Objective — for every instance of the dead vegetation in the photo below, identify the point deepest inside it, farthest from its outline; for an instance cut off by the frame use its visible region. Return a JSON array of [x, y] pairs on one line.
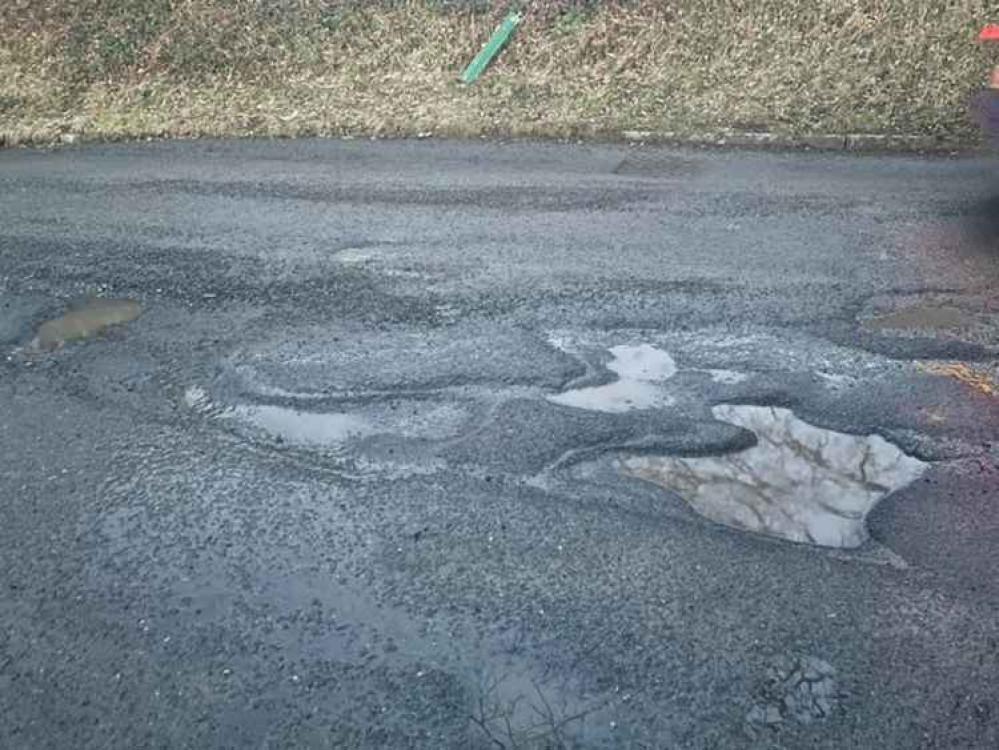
[[981, 379], [136, 68]]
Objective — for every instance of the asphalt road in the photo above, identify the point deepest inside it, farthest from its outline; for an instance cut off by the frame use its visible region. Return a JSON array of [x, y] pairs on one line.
[[358, 475]]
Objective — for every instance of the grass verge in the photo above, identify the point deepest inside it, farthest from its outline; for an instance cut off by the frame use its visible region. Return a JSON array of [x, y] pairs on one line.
[[138, 68]]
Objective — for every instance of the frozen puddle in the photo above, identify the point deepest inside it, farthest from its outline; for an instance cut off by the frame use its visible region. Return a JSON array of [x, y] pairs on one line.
[[640, 370], [801, 482]]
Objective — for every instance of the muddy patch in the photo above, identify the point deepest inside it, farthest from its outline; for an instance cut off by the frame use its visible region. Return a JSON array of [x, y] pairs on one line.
[[922, 318], [89, 320], [640, 370], [800, 482]]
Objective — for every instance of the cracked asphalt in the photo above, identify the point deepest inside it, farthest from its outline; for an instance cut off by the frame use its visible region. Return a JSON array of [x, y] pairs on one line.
[[327, 490]]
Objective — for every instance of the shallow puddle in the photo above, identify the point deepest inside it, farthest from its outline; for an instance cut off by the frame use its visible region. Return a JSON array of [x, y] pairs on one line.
[[640, 370], [920, 319], [308, 428], [801, 482], [90, 319]]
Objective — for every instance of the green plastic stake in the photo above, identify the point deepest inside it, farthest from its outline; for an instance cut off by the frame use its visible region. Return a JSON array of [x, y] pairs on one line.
[[489, 50]]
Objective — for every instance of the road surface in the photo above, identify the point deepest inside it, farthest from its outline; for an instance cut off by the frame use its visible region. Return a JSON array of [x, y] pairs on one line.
[[435, 445]]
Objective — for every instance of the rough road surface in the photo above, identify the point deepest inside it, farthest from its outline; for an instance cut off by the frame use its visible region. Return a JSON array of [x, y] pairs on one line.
[[424, 445]]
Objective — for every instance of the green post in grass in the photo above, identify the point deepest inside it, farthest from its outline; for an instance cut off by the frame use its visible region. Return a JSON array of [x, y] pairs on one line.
[[489, 50]]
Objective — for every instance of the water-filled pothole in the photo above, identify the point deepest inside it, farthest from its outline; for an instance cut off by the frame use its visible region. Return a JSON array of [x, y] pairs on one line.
[[90, 319], [921, 318], [800, 482], [424, 419], [301, 427], [639, 369]]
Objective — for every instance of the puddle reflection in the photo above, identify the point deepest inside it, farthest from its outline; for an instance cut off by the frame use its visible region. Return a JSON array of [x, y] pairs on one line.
[[300, 427], [333, 429], [801, 482]]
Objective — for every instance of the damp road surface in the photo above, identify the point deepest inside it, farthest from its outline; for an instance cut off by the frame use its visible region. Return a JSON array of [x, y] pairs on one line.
[[426, 445]]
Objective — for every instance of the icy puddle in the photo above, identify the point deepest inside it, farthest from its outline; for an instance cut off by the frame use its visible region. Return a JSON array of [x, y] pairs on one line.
[[90, 319], [801, 482], [640, 369]]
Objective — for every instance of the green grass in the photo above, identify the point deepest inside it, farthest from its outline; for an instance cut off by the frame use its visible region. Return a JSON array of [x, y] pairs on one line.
[[136, 68]]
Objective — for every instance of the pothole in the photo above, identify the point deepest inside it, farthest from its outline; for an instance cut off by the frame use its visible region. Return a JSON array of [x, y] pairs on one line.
[[88, 320], [640, 370], [316, 429], [301, 427], [800, 482]]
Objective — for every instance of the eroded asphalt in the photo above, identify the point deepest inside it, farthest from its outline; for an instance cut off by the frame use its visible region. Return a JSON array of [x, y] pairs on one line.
[[357, 476]]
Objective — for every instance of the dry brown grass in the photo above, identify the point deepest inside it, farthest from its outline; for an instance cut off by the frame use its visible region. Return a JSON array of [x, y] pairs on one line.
[[134, 68], [981, 379]]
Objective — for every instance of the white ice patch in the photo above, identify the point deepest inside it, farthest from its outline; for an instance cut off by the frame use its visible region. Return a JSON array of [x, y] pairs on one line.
[[302, 427], [835, 381], [644, 363], [727, 377], [196, 398], [640, 369]]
